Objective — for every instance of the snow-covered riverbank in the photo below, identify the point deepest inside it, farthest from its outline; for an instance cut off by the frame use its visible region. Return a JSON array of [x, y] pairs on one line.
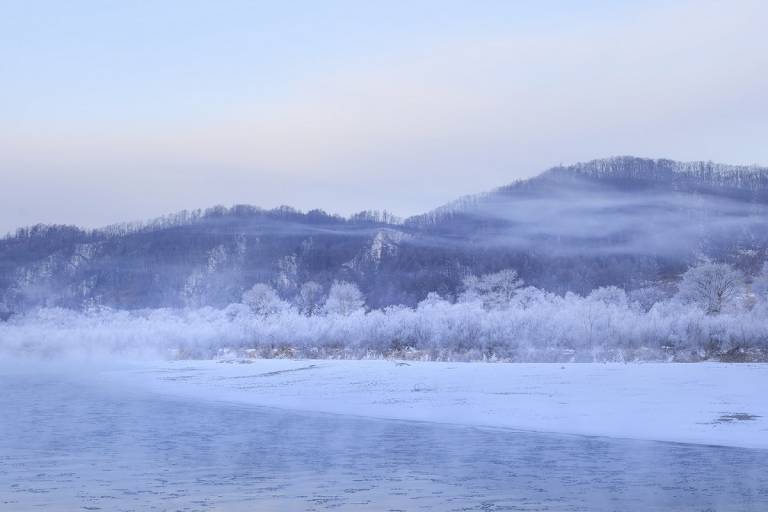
[[707, 403]]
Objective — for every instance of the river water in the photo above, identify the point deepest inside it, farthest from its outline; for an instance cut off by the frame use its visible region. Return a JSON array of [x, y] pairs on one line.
[[73, 444]]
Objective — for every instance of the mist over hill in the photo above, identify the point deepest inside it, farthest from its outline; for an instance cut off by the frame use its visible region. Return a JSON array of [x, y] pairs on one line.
[[621, 221]]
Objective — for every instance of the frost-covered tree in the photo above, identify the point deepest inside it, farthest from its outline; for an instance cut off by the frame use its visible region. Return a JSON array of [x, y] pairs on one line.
[[644, 298], [344, 299], [711, 286], [609, 295], [235, 312], [433, 299], [310, 298], [537, 326], [264, 300], [760, 284], [495, 290], [530, 297], [5, 312]]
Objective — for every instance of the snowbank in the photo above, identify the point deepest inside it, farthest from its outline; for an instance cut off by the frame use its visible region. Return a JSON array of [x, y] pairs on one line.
[[705, 403]]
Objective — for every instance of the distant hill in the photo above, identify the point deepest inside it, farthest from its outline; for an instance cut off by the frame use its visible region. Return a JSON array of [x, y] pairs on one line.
[[624, 221]]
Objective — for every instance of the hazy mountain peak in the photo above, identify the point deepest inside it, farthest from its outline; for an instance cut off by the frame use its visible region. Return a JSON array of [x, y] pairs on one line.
[[745, 182]]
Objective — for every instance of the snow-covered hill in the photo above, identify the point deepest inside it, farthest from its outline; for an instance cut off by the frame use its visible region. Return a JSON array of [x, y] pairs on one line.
[[620, 221]]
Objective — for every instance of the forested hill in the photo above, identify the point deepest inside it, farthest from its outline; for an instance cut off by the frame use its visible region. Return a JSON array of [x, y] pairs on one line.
[[627, 174], [622, 221]]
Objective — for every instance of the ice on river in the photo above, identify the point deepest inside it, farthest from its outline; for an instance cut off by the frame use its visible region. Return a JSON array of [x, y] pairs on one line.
[[70, 439], [705, 403]]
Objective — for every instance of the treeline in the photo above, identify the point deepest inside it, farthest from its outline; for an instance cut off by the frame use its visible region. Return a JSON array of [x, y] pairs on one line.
[[53, 232], [712, 315]]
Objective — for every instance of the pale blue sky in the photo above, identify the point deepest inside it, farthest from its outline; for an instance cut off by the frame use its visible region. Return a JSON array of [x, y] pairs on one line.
[[125, 110]]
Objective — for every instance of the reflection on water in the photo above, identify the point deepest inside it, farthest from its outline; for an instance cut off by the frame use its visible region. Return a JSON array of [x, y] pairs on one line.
[[72, 446]]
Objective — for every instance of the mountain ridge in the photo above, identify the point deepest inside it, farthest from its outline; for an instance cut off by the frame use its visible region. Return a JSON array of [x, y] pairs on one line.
[[648, 170], [622, 221], [748, 177]]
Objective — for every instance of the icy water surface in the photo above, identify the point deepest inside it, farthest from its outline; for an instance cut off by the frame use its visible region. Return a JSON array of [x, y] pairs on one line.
[[69, 445]]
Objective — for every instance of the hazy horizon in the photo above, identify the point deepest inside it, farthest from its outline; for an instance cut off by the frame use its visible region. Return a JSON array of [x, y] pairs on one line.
[[124, 112]]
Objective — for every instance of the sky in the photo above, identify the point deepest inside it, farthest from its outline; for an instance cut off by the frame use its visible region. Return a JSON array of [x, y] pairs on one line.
[[120, 111]]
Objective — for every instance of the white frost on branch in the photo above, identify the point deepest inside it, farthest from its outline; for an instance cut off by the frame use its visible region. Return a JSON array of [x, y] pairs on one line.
[[712, 286], [344, 299]]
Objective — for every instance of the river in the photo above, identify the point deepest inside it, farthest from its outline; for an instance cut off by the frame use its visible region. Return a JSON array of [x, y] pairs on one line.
[[69, 443]]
